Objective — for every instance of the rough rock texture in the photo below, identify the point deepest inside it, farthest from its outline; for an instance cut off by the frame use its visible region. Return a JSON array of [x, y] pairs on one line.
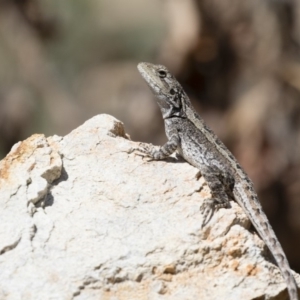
[[84, 217]]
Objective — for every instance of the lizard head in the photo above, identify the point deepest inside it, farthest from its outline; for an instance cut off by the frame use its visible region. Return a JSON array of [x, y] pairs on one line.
[[166, 88]]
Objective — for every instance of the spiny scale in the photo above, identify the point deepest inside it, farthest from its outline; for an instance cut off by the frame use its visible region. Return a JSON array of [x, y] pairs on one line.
[[188, 134]]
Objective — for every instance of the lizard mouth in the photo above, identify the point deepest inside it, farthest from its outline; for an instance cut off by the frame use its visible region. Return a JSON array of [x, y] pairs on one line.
[[149, 73]]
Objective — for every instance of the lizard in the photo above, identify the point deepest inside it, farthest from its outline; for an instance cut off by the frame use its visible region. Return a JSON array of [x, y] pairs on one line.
[[199, 145]]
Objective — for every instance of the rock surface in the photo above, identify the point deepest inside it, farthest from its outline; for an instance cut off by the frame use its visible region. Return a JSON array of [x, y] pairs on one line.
[[84, 217]]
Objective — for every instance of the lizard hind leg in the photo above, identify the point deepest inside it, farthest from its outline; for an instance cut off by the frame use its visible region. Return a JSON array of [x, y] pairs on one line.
[[220, 184], [211, 205]]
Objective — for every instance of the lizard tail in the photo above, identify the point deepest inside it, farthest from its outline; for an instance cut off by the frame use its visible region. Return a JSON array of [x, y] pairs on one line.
[[254, 211]]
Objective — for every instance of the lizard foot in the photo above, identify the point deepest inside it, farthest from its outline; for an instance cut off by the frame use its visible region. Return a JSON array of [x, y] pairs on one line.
[[211, 205], [144, 150]]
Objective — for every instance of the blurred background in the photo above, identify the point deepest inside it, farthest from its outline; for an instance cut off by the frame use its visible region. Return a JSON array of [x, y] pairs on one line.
[[62, 62]]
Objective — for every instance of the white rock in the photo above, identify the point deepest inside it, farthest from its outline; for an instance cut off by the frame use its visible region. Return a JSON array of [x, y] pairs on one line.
[[85, 217]]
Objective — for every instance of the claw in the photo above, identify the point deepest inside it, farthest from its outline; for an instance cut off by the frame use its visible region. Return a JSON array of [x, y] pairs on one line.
[[208, 211], [144, 151], [211, 205]]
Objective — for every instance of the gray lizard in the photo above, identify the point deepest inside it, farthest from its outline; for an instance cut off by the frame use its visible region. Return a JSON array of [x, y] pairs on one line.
[[197, 144]]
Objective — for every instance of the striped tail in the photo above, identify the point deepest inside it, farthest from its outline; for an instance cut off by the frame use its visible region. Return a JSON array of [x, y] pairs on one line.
[[254, 211]]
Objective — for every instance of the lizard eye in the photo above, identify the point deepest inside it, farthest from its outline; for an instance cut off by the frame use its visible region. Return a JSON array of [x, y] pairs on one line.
[[162, 73]]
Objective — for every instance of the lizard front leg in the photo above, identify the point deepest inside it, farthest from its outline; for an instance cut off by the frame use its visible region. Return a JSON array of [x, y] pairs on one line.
[[220, 184], [164, 151]]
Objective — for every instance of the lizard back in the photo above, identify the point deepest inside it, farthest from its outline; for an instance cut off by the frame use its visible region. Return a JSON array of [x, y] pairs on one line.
[[200, 146]]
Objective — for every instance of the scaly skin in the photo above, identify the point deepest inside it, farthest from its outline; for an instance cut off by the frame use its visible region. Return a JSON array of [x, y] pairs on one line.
[[196, 143]]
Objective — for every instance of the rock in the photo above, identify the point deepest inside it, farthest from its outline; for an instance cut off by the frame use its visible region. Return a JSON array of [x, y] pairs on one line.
[[83, 216]]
